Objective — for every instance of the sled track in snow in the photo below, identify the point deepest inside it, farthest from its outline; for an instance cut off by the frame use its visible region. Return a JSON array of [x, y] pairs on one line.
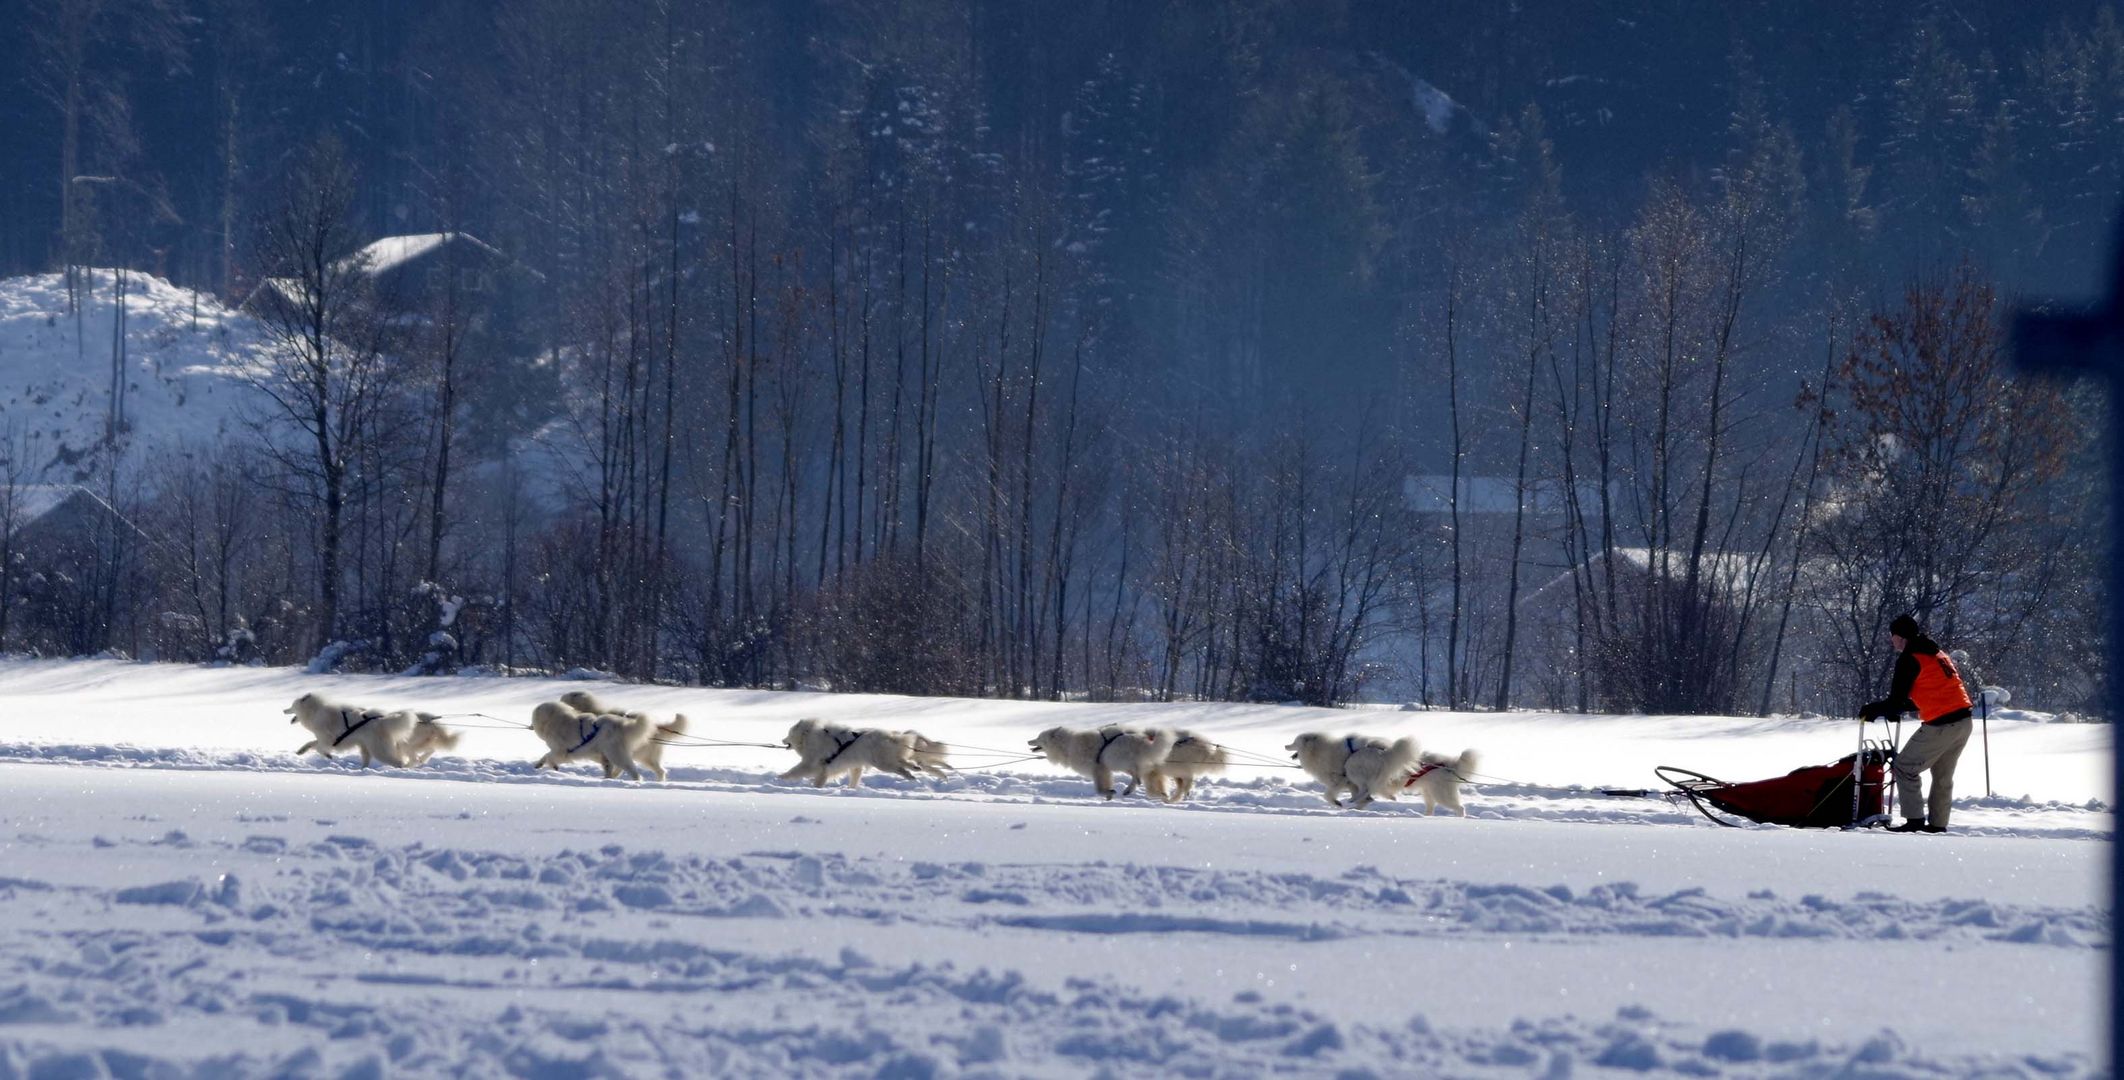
[[2049, 821]]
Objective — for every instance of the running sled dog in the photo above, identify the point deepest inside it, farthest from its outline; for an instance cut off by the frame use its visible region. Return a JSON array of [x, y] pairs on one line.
[[1192, 757], [619, 742], [1438, 778], [825, 751], [650, 754], [400, 737], [1367, 768], [1101, 753], [930, 756]]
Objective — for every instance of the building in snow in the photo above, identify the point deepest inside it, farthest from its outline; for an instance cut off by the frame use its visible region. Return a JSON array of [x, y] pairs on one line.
[[425, 282]]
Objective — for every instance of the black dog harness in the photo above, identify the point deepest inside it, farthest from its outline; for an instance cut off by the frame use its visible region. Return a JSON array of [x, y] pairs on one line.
[[352, 727], [1101, 755], [842, 747], [592, 734]]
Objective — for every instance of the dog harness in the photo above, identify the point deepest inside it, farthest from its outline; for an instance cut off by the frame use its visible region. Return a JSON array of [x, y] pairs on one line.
[[592, 734], [352, 727], [1421, 771], [1349, 743], [1101, 755], [842, 747]]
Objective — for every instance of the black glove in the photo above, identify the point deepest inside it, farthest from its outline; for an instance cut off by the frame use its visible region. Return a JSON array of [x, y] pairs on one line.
[[1873, 710]]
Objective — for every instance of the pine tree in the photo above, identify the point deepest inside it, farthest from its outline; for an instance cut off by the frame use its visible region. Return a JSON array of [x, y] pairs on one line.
[[1932, 136]]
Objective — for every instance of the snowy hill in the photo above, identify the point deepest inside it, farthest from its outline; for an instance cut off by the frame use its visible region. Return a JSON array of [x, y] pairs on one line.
[[183, 354], [182, 896]]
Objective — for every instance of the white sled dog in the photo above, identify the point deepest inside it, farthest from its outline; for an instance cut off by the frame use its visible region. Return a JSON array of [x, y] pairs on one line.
[[1108, 750], [650, 754], [1368, 768], [1192, 757], [1438, 778], [929, 755], [610, 739], [428, 737], [379, 734], [825, 751]]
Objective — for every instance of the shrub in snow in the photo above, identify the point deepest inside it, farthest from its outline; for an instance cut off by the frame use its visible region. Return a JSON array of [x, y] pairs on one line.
[[447, 604], [238, 646], [331, 656]]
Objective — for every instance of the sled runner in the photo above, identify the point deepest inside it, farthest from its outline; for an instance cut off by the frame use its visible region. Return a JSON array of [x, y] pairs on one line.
[[1812, 797]]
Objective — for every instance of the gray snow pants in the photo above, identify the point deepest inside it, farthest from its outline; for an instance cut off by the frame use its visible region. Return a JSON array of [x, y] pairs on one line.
[[1937, 747]]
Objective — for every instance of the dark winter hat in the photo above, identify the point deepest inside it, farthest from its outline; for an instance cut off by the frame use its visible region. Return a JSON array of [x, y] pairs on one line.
[[1906, 626]]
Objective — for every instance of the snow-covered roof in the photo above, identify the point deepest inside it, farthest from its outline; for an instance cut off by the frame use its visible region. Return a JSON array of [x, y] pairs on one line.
[[384, 255], [391, 252]]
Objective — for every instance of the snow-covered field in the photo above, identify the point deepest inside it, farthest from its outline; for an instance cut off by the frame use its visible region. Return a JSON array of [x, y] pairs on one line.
[[181, 896]]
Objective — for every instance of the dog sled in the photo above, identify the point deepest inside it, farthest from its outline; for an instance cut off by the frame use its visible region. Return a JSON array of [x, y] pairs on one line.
[[1849, 793]]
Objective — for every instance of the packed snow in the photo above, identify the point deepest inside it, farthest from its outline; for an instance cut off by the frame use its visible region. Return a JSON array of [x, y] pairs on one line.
[[183, 896]]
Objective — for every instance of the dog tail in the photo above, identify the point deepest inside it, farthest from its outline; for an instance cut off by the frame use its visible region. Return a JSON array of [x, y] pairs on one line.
[[929, 753], [1400, 761], [440, 737], [1466, 764], [677, 726]]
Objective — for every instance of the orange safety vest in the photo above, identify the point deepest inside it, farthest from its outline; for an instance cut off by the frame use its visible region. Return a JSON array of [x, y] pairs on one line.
[[1938, 689]]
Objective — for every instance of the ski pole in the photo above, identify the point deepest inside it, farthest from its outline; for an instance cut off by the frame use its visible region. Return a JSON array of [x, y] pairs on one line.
[[1858, 770], [1984, 719]]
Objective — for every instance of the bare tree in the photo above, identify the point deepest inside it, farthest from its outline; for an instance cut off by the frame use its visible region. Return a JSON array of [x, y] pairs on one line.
[[325, 370], [1942, 468]]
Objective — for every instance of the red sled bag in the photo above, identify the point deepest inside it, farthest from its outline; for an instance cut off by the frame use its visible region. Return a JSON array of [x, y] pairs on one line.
[[1813, 797]]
